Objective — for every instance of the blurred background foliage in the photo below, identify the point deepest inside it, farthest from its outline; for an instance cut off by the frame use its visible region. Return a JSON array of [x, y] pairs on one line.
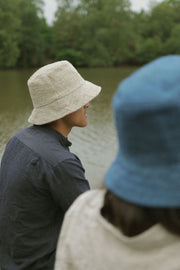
[[89, 33]]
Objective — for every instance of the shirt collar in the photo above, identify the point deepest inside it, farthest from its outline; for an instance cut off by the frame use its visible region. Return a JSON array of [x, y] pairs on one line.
[[63, 140]]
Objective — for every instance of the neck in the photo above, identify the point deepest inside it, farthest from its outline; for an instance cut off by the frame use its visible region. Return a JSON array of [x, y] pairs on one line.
[[61, 127]]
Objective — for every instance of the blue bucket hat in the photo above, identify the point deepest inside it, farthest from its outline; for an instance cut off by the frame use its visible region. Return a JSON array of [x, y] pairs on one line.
[[146, 170]]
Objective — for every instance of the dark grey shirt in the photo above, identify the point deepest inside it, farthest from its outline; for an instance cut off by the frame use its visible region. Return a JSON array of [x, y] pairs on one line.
[[39, 180]]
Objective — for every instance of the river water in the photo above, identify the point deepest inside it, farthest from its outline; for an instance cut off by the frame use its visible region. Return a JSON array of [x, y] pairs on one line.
[[96, 144]]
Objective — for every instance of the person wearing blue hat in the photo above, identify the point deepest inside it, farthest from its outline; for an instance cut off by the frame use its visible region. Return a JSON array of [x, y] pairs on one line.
[[135, 222]]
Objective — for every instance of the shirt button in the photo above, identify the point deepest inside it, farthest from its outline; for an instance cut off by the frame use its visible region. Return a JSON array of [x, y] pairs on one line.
[[34, 161]]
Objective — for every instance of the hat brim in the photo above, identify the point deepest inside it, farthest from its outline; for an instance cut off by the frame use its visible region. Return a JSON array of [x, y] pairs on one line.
[[151, 187], [66, 105]]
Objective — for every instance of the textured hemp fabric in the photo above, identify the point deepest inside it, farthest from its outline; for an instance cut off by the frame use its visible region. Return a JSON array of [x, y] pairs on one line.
[[39, 180], [57, 90], [89, 242]]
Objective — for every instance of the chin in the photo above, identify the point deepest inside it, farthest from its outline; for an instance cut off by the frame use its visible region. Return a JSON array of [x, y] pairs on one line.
[[83, 124]]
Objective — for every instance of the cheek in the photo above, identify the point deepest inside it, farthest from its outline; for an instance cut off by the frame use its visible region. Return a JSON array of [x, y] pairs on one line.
[[78, 118], [81, 114], [82, 118]]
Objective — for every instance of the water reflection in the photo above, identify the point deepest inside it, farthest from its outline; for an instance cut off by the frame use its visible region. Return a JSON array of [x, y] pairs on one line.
[[95, 145]]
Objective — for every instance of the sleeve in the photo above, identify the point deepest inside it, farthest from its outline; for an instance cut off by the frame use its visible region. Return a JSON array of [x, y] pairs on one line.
[[68, 182]]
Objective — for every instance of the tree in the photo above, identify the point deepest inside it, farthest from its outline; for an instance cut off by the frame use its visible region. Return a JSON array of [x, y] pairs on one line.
[[150, 49], [9, 33], [87, 32], [161, 21], [31, 44], [96, 30], [172, 45]]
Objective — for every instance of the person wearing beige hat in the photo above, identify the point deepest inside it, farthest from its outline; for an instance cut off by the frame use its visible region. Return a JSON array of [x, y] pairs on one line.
[[39, 176]]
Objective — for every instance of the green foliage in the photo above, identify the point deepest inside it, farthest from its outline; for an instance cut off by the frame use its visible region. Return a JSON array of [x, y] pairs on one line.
[[87, 33], [108, 33], [73, 56], [149, 50], [25, 37], [9, 33], [157, 32], [97, 28], [31, 44], [161, 21], [172, 45]]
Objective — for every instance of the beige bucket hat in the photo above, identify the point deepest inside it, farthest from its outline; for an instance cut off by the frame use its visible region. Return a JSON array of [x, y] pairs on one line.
[[57, 90]]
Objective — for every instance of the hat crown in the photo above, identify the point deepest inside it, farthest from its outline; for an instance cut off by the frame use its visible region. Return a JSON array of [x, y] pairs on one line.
[[57, 90], [146, 170], [53, 81], [147, 113]]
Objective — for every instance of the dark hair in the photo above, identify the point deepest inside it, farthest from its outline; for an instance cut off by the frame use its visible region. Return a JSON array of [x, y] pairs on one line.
[[134, 219]]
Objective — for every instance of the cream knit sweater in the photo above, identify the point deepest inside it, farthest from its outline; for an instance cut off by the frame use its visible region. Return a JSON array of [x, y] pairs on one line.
[[89, 242]]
